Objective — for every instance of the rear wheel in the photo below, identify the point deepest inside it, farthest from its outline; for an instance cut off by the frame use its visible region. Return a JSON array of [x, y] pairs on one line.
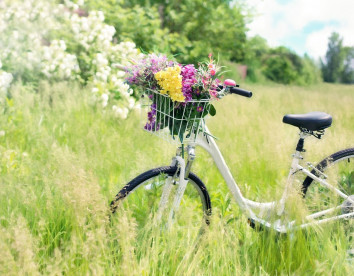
[[338, 171], [140, 199]]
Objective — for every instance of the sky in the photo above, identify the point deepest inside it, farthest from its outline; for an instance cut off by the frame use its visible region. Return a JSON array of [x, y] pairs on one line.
[[302, 25]]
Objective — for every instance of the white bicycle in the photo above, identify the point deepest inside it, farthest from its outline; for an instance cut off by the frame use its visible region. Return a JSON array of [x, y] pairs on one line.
[[174, 195]]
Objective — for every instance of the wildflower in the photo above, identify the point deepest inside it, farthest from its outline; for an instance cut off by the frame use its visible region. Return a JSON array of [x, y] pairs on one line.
[[188, 73], [170, 81], [213, 93], [200, 108], [104, 98], [5, 81], [120, 112], [131, 102]]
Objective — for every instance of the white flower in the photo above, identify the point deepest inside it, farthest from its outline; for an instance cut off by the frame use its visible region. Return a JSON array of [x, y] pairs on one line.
[[131, 103], [100, 15], [5, 81], [104, 98], [122, 112], [137, 106], [62, 45], [2, 133]]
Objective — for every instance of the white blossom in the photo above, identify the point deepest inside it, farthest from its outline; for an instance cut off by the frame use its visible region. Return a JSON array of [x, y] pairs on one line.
[[121, 112], [24, 28], [104, 98], [5, 81], [57, 63]]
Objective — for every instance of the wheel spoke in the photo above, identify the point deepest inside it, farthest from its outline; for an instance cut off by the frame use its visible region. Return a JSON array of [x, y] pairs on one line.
[[340, 174]]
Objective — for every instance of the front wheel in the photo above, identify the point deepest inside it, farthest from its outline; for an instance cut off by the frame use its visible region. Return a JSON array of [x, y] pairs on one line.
[[141, 199], [338, 171]]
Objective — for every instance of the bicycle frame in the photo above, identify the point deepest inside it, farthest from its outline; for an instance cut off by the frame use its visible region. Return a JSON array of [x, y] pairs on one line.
[[208, 143]]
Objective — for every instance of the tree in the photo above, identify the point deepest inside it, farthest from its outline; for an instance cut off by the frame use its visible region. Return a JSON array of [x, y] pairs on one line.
[[347, 75], [332, 66], [284, 66], [189, 29]]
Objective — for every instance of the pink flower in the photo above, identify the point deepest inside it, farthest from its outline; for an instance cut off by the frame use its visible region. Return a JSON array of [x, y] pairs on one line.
[[200, 108], [212, 72], [213, 93]]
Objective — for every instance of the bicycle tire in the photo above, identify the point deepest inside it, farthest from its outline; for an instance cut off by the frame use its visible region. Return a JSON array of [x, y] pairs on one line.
[[169, 171], [339, 170], [324, 164]]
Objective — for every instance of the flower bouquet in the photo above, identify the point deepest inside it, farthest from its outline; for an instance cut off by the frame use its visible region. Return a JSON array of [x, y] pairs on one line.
[[179, 95]]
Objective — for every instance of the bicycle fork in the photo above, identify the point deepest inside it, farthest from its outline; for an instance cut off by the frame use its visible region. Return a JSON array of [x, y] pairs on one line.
[[183, 170]]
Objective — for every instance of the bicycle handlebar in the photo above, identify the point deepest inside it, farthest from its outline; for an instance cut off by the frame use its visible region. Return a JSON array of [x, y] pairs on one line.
[[241, 92], [237, 90]]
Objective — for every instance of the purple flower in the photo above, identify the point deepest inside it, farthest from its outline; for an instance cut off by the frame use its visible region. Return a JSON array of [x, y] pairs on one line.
[[188, 80], [200, 108], [142, 72], [151, 124]]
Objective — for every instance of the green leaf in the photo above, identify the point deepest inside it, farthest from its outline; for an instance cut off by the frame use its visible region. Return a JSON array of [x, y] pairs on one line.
[[212, 110]]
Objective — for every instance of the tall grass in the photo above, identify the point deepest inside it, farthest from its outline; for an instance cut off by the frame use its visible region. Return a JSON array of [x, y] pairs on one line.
[[63, 160]]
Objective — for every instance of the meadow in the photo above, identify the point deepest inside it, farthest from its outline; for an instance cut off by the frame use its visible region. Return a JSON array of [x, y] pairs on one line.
[[63, 159]]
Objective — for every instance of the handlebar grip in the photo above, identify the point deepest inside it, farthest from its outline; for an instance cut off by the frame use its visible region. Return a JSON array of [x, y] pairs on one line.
[[241, 92]]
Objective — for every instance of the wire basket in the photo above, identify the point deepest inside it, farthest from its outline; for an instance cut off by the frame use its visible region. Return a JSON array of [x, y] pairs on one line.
[[175, 122]]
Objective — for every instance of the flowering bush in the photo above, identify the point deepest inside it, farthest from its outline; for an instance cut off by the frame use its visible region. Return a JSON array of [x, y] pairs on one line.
[[85, 51], [24, 27], [57, 64], [180, 94], [97, 53]]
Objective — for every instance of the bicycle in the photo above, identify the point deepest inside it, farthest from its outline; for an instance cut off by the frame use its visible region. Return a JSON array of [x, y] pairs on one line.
[[328, 188]]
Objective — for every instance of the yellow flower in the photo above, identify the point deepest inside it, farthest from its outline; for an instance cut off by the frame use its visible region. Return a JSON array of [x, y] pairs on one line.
[[170, 82]]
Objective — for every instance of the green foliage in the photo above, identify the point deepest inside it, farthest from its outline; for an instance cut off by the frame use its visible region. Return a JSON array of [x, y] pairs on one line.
[[338, 65], [333, 63], [278, 64], [284, 66], [348, 67], [256, 47], [311, 73], [279, 68], [133, 22], [210, 26], [188, 29]]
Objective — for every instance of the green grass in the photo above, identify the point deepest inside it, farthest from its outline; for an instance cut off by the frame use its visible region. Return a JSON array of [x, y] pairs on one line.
[[63, 160]]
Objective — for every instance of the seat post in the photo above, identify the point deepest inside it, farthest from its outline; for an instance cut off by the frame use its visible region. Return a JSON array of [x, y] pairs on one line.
[[300, 144]]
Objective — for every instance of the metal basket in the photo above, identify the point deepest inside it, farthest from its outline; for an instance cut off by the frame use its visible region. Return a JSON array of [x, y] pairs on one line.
[[173, 121]]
